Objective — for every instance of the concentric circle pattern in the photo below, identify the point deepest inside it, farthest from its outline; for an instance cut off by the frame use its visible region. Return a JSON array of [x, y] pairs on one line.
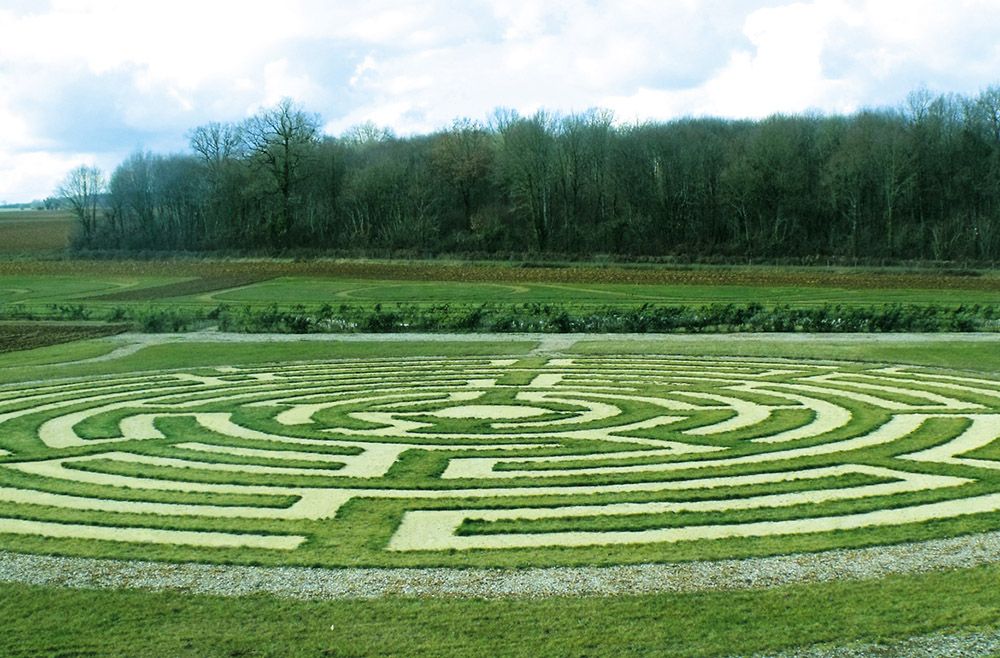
[[439, 458]]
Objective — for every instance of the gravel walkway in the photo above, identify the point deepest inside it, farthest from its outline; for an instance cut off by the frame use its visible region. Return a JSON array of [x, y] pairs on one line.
[[938, 645], [130, 343], [556, 339], [357, 583]]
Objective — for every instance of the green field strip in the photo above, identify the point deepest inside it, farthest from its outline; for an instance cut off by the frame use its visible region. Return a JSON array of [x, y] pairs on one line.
[[817, 500], [54, 289], [17, 480], [343, 291], [26, 361], [147, 535], [950, 354], [417, 525], [158, 359]]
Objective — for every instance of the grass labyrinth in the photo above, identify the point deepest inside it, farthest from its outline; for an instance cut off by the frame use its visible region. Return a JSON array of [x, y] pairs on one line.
[[479, 451], [507, 460]]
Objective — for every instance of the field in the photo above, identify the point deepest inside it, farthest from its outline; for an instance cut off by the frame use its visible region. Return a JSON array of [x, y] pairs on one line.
[[15, 337], [432, 282], [35, 231], [380, 297], [649, 489], [698, 495]]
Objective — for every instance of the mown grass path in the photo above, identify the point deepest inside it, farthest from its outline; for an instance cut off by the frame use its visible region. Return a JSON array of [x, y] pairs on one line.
[[950, 588], [511, 461]]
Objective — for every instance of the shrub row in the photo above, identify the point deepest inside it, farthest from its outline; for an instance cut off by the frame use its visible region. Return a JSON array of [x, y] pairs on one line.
[[541, 318]]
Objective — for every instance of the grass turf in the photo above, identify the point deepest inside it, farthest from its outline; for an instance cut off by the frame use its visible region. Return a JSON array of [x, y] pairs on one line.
[[47, 621], [347, 291], [43, 621]]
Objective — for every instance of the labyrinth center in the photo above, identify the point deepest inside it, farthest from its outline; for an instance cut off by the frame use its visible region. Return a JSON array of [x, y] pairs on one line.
[[436, 457]]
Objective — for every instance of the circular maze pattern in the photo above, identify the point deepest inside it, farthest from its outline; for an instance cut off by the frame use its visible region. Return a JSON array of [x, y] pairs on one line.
[[433, 460]]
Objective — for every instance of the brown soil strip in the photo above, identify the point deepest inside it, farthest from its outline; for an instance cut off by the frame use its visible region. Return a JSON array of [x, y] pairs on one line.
[[18, 336], [181, 288], [258, 270]]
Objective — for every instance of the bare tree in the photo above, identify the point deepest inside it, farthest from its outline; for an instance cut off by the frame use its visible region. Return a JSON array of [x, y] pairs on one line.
[[280, 140], [986, 109], [217, 143], [526, 161], [365, 134], [464, 157], [83, 189]]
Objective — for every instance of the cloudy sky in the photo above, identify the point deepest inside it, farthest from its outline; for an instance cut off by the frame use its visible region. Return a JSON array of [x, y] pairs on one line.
[[89, 81]]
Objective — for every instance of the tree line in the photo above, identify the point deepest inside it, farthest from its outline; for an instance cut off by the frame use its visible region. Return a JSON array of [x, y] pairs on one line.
[[921, 181]]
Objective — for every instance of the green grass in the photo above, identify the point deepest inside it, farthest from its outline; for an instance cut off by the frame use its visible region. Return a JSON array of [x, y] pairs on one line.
[[14, 367], [43, 621], [386, 296], [347, 291], [363, 526], [55, 354], [67, 288], [206, 283], [55, 621], [959, 354]]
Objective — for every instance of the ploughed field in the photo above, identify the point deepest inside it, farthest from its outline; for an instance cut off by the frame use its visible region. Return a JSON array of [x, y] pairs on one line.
[[35, 232]]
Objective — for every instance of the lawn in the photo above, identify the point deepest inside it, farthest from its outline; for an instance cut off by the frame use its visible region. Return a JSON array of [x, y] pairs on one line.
[[346, 291], [609, 432], [43, 621]]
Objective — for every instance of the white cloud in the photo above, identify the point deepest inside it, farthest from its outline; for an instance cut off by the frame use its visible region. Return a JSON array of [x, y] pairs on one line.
[[391, 25], [784, 72], [14, 132], [523, 20], [39, 171], [780, 71], [836, 56], [102, 77], [280, 81], [366, 65], [565, 56]]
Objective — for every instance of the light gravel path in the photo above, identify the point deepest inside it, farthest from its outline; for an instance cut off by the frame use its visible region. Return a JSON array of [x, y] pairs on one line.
[[369, 583], [556, 340], [130, 343], [937, 645]]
